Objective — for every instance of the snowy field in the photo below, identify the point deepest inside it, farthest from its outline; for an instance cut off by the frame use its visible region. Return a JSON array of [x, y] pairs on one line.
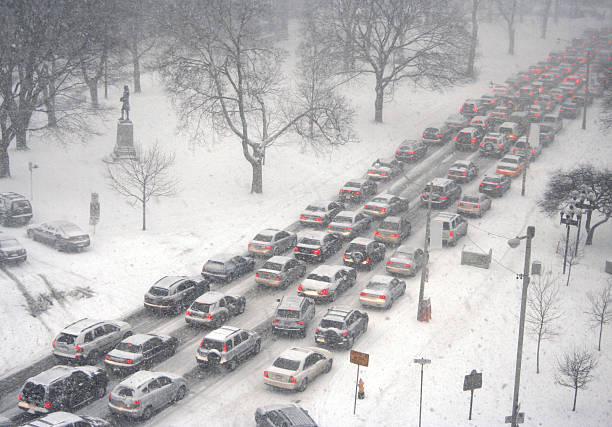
[[475, 312]]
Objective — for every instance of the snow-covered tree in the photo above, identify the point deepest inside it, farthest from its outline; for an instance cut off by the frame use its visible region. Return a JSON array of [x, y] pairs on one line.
[[600, 311], [574, 370]]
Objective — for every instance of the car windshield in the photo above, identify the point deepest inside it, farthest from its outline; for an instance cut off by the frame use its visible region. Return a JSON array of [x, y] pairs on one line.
[[319, 277], [71, 228], [431, 131], [272, 266], [214, 267], [377, 285], [315, 208], [352, 184], [402, 254], [356, 247], [380, 199], [437, 189], [288, 314], [288, 364], [459, 165], [34, 391], [204, 307], [329, 323], [263, 238], [343, 219], [129, 347], [8, 243], [20, 204], [125, 392], [509, 160], [66, 338], [209, 344], [470, 199], [387, 225], [158, 292], [310, 241]]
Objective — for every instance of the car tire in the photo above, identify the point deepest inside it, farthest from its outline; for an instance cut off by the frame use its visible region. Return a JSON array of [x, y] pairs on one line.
[[231, 365], [147, 413], [92, 358], [390, 303], [276, 251], [100, 392], [221, 319], [180, 393], [350, 342], [303, 386], [403, 290], [328, 366]]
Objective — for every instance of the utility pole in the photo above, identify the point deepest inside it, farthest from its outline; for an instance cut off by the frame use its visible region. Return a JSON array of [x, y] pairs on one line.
[[421, 362], [425, 269], [586, 91]]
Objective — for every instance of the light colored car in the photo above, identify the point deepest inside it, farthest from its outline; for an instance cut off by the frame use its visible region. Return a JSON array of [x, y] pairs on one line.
[[280, 271], [462, 171], [86, 340], [66, 419], [382, 291], [272, 242], [227, 346], [326, 281], [321, 212], [140, 351], [283, 415], [511, 165], [62, 235], [405, 261], [383, 205], [292, 314], [214, 308], [475, 204], [393, 230], [145, 392], [348, 224], [384, 169], [297, 367]]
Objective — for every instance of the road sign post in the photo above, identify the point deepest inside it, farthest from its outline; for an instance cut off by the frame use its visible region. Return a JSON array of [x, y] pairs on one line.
[[359, 359], [472, 382], [421, 362]]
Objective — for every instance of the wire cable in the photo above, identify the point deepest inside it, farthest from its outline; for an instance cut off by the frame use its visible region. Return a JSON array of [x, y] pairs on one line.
[[489, 232], [492, 257]]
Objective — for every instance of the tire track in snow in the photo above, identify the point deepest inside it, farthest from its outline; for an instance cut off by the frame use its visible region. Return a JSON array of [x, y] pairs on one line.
[[31, 302]]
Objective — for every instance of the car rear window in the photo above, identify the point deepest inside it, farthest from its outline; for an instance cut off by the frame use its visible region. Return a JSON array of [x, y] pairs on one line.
[[66, 338], [356, 247], [20, 204], [288, 314], [201, 306], [209, 344], [408, 255], [352, 184], [509, 160], [319, 277], [158, 292], [328, 323], [309, 241], [437, 189], [272, 266], [389, 226], [343, 219], [471, 199], [380, 200], [263, 238], [288, 364], [8, 243], [214, 267], [315, 208], [33, 391], [377, 285], [125, 392], [128, 347]]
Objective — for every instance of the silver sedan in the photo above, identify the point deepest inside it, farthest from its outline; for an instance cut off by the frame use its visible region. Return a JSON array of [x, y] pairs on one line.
[[296, 367], [382, 291]]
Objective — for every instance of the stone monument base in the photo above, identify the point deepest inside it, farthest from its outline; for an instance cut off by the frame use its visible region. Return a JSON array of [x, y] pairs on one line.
[[124, 147]]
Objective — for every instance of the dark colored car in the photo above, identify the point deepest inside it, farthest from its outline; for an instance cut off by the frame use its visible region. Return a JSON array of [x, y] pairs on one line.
[[140, 351], [495, 185], [442, 192], [214, 309], [283, 415], [384, 205], [385, 169], [473, 107], [174, 293], [393, 230], [547, 135], [494, 144], [498, 116], [227, 267], [279, 271], [62, 388], [462, 171], [317, 246], [363, 252], [62, 235], [469, 138], [456, 122], [61, 419], [14, 209], [524, 147], [341, 326], [482, 122], [357, 190], [411, 149], [11, 250], [321, 212], [438, 134], [568, 110], [535, 113]]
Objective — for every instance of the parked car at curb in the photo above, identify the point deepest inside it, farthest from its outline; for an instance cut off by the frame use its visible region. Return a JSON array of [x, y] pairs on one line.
[[317, 246], [357, 190], [139, 351], [296, 367], [511, 165], [569, 110], [474, 204], [406, 261], [214, 309], [86, 340], [364, 253], [283, 415], [64, 419], [145, 392], [321, 213], [227, 267], [381, 291], [386, 204], [410, 149], [453, 226], [62, 235], [174, 293], [280, 271], [442, 192], [393, 230], [462, 171], [14, 209], [62, 388], [385, 168], [341, 327], [293, 314], [348, 224], [11, 250], [227, 347], [326, 281], [270, 242]]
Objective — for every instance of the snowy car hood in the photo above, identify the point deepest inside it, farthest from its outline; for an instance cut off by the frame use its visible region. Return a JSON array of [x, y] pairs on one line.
[[316, 285], [124, 354]]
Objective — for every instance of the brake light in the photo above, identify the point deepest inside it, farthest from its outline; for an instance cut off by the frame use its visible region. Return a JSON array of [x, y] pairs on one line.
[[47, 405], [473, 140], [367, 260], [345, 333], [389, 262], [278, 278], [107, 357], [341, 190], [410, 152], [500, 146], [422, 194], [249, 245], [265, 374], [19, 397], [533, 151], [464, 173], [397, 151], [348, 229], [455, 138], [275, 320], [475, 109], [384, 173], [329, 226], [319, 219], [300, 287], [296, 249], [424, 134], [439, 135], [137, 402], [256, 274], [396, 235], [450, 234], [459, 204], [362, 294], [209, 316], [302, 217], [513, 148], [357, 192], [129, 361], [201, 343], [481, 184], [481, 144], [224, 348], [442, 197], [382, 297], [377, 233], [383, 210], [292, 379], [316, 251], [324, 291], [461, 109], [79, 349], [268, 246]]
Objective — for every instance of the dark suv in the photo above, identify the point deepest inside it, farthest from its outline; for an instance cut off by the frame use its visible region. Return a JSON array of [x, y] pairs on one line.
[[227, 346], [283, 415], [292, 314], [357, 190], [11, 250], [62, 388], [494, 144], [363, 252], [341, 326], [442, 192], [14, 209], [437, 134], [174, 293], [469, 138]]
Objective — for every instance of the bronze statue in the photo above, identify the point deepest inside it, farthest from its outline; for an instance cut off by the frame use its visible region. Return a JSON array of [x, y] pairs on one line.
[[126, 103]]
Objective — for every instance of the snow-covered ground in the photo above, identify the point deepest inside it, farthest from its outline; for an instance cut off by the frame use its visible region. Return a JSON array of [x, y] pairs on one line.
[[475, 312]]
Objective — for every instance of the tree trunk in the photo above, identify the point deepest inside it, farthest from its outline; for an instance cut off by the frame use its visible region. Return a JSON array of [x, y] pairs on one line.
[[569, 271], [575, 395], [257, 181], [545, 19], [144, 215], [600, 331], [589, 239], [511, 33], [21, 133], [136, 62], [378, 103], [93, 92], [5, 165], [538, 351], [49, 94], [587, 225], [474, 40]]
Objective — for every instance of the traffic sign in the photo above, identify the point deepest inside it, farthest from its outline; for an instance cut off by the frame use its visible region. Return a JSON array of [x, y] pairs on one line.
[[472, 381], [360, 358], [520, 419]]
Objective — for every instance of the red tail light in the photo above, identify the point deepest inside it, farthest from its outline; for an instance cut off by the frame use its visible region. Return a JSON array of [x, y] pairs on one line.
[[265, 374], [407, 265], [424, 134], [278, 278], [345, 333], [341, 190], [209, 316], [450, 234], [256, 274], [201, 343], [410, 152], [442, 197], [389, 262], [532, 151], [475, 109], [461, 109], [319, 219], [300, 287], [348, 229], [498, 186], [383, 173], [481, 184], [79, 349], [477, 206], [513, 148], [367, 260], [464, 173], [397, 151], [53, 343], [357, 192], [481, 144], [275, 320], [292, 379], [500, 146], [224, 348], [324, 292], [19, 397], [129, 361], [455, 138], [302, 217], [316, 251], [268, 246], [459, 203], [300, 322], [383, 210], [439, 135], [422, 194], [377, 233], [382, 297], [47, 405], [473, 140], [137, 402], [107, 357], [188, 313], [329, 226], [296, 249], [362, 294]]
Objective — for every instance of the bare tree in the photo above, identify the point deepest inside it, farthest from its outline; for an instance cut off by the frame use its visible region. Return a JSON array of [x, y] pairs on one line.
[[543, 310], [394, 40], [507, 9], [474, 39], [600, 312], [574, 370], [221, 65], [545, 16], [148, 175]]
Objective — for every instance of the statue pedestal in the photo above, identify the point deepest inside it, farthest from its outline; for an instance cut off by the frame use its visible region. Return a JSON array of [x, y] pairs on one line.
[[124, 147]]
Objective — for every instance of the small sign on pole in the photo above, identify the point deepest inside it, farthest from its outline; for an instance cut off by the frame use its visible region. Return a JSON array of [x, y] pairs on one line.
[[359, 359], [94, 211], [472, 382], [520, 419]]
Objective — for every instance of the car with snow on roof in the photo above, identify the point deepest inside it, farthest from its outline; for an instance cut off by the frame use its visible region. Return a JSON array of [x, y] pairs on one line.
[[270, 242], [475, 205], [317, 246], [357, 190], [326, 281], [11, 250], [139, 351], [279, 271], [292, 314], [227, 346], [296, 367], [62, 235], [384, 169], [511, 165], [225, 267], [214, 309], [462, 171], [14, 209], [494, 144], [405, 261], [174, 293], [385, 204], [283, 415], [364, 253], [341, 326], [381, 291], [441, 191], [321, 212], [393, 230], [64, 419], [348, 224]]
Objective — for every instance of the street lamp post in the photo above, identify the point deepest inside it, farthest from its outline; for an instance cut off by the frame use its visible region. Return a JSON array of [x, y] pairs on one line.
[[513, 243], [31, 167], [585, 199], [425, 269], [569, 216], [421, 362]]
